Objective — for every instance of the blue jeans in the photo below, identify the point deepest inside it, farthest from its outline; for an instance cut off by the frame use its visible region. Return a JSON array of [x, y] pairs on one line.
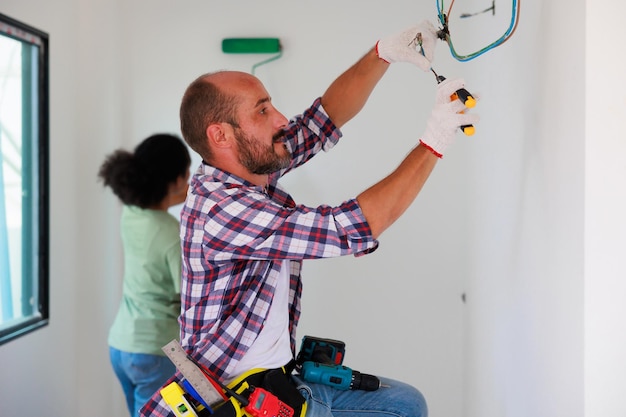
[[398, 399], [141, 375]]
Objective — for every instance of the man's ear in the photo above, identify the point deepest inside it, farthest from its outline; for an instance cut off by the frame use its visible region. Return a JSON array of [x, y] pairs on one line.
[[219, 134]]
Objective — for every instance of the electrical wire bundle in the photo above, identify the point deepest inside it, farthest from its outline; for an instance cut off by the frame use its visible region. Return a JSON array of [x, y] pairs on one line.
[[444, 32]]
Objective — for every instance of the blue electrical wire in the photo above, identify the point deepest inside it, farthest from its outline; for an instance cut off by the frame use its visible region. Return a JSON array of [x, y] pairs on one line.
[[445, 31]]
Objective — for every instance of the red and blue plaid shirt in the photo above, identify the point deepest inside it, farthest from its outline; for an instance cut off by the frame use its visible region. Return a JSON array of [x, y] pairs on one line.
[[235, 237]]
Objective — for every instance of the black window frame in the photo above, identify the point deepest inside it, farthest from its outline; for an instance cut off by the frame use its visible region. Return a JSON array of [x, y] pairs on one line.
[[35, 258]]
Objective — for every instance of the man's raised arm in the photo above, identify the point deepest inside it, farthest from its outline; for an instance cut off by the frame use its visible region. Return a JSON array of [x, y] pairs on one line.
[[347, 95]]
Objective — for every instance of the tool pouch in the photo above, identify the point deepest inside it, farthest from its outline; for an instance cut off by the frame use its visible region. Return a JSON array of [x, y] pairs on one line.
[[277, 381]]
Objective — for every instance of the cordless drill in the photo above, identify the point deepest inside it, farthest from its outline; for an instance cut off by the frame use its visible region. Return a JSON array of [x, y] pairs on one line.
[[320, 361]]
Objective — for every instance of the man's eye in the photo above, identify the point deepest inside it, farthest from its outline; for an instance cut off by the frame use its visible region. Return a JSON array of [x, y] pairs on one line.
[[263, 110]]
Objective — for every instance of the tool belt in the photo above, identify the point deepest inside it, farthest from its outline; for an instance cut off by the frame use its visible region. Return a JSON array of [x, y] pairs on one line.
[[277, 381]]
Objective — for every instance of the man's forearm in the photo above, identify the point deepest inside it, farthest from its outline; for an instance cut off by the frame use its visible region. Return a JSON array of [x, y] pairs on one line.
[[347, 95], [384, 202]]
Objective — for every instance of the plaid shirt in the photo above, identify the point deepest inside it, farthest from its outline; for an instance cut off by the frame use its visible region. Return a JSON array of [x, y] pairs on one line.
[[235, 236]]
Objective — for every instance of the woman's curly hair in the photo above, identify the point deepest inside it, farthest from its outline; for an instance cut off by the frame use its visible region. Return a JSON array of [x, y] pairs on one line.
[[141, 178]]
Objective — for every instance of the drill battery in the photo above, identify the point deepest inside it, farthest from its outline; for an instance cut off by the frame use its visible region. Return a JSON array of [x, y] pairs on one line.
[[326, 351]]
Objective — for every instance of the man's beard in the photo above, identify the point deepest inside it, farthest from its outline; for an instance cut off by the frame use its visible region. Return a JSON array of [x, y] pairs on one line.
[[258, 158]]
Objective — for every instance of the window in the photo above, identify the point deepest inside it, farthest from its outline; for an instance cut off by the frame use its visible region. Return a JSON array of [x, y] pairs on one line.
[[23, 179]]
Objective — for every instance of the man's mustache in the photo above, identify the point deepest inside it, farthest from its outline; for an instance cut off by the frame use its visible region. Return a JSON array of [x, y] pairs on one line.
[[279, 136]]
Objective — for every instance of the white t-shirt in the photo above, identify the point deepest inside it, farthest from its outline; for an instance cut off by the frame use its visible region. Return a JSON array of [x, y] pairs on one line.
[[272, 348]]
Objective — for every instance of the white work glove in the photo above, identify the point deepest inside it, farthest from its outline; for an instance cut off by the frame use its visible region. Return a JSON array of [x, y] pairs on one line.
[[404, 46], [446, 118]]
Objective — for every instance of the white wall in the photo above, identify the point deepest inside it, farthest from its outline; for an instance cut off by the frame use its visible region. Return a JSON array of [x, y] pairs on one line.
[[525, 325], [605, 205], [502, 220], [63, 370], [38, 370]]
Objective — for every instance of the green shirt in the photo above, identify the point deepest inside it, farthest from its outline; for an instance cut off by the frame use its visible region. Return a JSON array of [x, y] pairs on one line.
[[147, 318]]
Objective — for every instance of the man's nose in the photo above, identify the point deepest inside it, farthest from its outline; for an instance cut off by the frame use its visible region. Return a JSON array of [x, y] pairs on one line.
[[281, 121]]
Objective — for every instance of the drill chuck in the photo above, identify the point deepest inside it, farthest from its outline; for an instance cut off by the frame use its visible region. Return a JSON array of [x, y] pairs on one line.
[[364, 382]]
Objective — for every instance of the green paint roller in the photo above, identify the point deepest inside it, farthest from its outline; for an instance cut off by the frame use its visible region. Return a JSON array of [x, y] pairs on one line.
[[253, 46]]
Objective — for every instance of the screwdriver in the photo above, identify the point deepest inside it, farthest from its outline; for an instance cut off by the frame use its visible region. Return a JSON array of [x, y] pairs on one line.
[[463, 95]]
